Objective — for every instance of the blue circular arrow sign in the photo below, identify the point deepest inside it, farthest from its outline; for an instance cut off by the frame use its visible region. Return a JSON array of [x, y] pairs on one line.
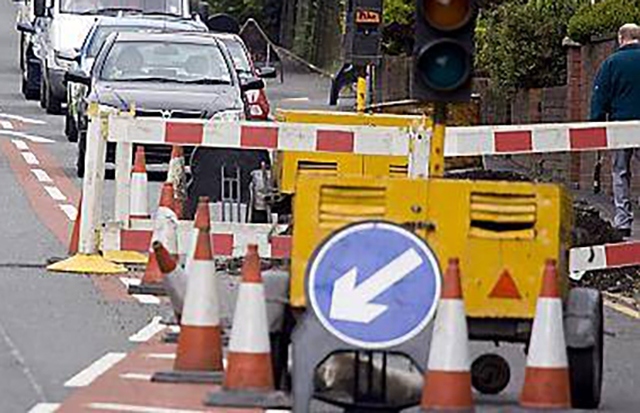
[[374, 285]]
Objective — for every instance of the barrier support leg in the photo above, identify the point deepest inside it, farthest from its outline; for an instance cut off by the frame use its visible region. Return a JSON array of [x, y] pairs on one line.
[[124, 155], [88, 260]]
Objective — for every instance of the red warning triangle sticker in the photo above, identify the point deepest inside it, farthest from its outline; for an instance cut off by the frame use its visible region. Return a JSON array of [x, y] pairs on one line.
[[505, 287]]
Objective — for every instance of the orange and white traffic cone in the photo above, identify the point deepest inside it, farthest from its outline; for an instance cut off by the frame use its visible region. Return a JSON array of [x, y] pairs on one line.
[[178, 177], [165, 230], [447, 384], [174, 278], [139, 205], [74, 242], [546, 380], [248, 379], [249, 359], [200, 344]]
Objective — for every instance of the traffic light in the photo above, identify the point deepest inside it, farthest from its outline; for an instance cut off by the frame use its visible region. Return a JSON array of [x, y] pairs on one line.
[[444, 50]]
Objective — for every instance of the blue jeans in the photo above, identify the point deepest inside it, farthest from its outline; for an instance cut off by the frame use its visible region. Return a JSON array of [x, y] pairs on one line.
[[621, 173]]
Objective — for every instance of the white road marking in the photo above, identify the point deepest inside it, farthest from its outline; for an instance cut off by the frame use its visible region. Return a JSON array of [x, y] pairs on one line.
[[127, 281], [55, 193], [95, 370], [142, 298], [30, 158], [117, 407], [23, 119], [146, 298], [42, 175], [148, 331], [70, 210], [44, 408], [161, 356], [21, 145], [32, 138], [131, 408], [136, 376], [5, 124], [299, 99]]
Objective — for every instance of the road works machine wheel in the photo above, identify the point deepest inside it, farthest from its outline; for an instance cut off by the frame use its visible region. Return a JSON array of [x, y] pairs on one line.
[[584, 331]]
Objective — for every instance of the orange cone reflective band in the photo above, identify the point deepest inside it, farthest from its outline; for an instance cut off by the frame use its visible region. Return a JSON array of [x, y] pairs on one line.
[[174, 278], [200, 342], [249, 358], [165, 231], [139, 205], [546, 382], [447, 383], [505, 287]]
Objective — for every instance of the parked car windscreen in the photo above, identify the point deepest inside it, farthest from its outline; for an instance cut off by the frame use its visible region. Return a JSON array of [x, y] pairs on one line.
[[166, 62], [239, 56], [173, 7], [100, 36]]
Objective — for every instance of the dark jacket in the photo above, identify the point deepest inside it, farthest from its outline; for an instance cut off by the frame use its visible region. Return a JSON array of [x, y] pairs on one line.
[[616, 92]]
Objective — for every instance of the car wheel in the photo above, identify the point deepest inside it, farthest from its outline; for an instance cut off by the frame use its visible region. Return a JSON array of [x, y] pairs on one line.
[[82, 147], [43, 91], [53, 104], [70, 128], [30, 81], [28, 90]]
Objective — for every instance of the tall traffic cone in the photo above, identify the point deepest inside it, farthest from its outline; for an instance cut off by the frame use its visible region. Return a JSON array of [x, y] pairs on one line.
[[447, 384], [546, 380], [178, 177], [164, 230], [74, 242], [248, 380], [139, 205], [200, 343]]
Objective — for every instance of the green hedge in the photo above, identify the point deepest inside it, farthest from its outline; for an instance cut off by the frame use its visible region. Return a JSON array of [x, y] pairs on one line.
[[602, 19]]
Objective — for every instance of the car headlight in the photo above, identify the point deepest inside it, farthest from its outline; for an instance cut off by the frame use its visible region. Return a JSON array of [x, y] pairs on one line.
[[229, 116]]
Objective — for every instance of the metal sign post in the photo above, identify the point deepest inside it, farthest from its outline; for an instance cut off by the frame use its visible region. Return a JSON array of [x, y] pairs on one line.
[[371, 286]]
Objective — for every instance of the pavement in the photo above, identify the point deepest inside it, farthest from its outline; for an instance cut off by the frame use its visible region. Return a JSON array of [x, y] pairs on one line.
[[81, 343]]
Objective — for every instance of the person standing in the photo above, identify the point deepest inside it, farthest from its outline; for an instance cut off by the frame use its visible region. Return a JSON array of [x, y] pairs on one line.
[[616, 97]]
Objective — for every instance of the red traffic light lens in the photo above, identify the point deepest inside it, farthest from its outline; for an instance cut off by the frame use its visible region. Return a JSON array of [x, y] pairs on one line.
[[447, 15]]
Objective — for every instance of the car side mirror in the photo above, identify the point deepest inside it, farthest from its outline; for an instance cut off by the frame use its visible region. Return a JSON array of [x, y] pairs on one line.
[[267, 72], [78, 76], [252, 83], [68, 55], [40, 8], [25, 27]]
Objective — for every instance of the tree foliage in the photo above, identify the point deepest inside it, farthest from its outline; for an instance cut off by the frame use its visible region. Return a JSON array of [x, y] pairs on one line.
[[602, 19], [519, 44]]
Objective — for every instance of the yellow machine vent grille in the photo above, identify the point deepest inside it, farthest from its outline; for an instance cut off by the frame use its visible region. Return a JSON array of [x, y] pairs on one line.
[[341, 205], [398, 171], [503, 216], [317, 168]]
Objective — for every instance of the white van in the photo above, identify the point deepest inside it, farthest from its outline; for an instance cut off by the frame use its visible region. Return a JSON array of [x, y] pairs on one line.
[[58, 31]]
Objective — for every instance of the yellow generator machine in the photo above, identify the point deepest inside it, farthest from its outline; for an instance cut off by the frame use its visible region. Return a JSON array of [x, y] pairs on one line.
[[502, 232]]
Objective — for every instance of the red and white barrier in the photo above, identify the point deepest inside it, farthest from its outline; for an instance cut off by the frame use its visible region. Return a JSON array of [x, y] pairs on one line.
[[601, 257], [229, 239], [370, 140], [367, 140]]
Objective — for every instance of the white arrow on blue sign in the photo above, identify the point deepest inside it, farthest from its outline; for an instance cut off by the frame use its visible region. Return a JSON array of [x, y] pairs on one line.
[[374, 285]]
